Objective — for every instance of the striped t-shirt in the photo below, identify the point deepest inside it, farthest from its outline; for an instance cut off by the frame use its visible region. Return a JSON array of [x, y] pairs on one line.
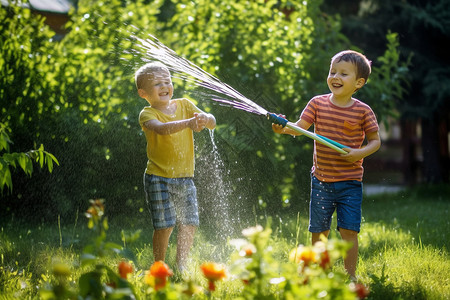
[[345, 125]]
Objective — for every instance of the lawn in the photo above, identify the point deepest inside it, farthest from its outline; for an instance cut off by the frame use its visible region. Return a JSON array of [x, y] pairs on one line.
[[403, 249]]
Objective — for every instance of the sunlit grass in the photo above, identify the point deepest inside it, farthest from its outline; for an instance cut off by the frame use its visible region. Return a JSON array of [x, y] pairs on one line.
[[403, 250], [411, 270], [404, 245]]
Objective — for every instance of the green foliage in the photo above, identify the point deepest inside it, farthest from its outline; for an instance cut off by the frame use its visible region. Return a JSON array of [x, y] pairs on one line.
[[26, 77], [92, 77], [80, 101], [77, 96], [308, 274], [24, 160], [255, 39], [430, 22], [26, 84], [367, 23], [92, 282], [388, 84], [268, 51]]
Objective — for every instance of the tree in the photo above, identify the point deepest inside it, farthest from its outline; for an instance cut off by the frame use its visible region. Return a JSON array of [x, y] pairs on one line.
[[81, 101], [23, 61], [73, 97], [266, 50], [423, 30]]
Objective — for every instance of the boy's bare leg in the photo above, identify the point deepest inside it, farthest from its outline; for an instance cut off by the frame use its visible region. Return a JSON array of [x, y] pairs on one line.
[[316, 236], [161, 242], [184, 243], [352, 254]]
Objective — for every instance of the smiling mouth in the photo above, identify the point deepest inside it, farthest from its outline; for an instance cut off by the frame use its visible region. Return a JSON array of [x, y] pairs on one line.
[[337, 85], [164, 94]]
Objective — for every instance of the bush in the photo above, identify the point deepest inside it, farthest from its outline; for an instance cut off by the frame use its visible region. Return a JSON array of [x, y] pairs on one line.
[[254, 272]]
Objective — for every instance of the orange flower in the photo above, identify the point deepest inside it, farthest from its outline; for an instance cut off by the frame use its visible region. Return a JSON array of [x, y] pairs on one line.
[[325, 261], [213, 272], [302, 253], [91, 212], [99, 204], [247, 250], [157, 277], [124, 269], [362, 292], [323, 256], [160, 269], [96, 209]]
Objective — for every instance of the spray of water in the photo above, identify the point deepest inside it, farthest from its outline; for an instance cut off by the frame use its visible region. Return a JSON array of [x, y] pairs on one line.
[[186, 70], [216, 206]]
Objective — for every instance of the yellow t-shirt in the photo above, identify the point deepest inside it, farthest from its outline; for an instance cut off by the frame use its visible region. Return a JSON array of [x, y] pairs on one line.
[[171, 155]]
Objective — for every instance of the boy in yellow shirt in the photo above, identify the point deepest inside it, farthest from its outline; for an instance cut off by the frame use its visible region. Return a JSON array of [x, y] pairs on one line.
[[168, 125]]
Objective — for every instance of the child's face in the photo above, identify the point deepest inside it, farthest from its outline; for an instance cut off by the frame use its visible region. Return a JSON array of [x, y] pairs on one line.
[[342, 79], [158, 88]]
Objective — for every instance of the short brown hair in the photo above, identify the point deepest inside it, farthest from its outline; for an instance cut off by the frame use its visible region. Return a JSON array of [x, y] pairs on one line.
[[146, 70], [363, 65]]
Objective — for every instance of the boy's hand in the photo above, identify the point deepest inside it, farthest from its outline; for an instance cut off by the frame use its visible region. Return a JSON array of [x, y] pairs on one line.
[[278, 128], [352, 155], [373, 144], [199, 122]]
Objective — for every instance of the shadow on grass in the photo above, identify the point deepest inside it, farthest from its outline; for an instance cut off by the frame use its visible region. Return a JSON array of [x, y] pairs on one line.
[[421, 212], [403, 243], [381, 289]]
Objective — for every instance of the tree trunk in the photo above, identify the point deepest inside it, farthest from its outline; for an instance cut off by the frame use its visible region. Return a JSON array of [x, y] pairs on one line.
[[435, 160], [409, 142]]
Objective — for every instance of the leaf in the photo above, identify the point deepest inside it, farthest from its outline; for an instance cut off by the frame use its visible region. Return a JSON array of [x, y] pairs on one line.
[[41, 156], [88, 259], [29, 166], [89, 284], [5, 178], [128, 254], [25, 163], [130, 237], [113, 246], [4, 139], [49, 163]]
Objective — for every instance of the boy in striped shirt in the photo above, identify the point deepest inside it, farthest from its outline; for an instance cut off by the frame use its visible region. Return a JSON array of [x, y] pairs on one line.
[[336, 179]]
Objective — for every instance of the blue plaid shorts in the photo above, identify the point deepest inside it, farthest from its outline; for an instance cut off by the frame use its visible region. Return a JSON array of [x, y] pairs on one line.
[[171, 201]]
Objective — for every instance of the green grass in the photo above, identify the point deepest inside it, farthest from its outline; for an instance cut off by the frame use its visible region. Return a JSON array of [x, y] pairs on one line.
[[404, 244], [403, 247]]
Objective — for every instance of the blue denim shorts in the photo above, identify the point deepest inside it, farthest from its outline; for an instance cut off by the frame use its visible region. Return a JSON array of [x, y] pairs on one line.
[[171, 201], [345, 197]]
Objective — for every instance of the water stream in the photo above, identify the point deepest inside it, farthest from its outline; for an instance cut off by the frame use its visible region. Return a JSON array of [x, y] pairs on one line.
[[212, 176], [184, 69]]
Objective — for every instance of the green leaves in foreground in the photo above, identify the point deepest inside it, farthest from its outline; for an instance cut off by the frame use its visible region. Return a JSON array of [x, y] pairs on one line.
[[254, 271]]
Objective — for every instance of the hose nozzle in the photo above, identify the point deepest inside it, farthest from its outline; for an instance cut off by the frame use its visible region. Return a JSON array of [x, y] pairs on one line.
[[277, 119]]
